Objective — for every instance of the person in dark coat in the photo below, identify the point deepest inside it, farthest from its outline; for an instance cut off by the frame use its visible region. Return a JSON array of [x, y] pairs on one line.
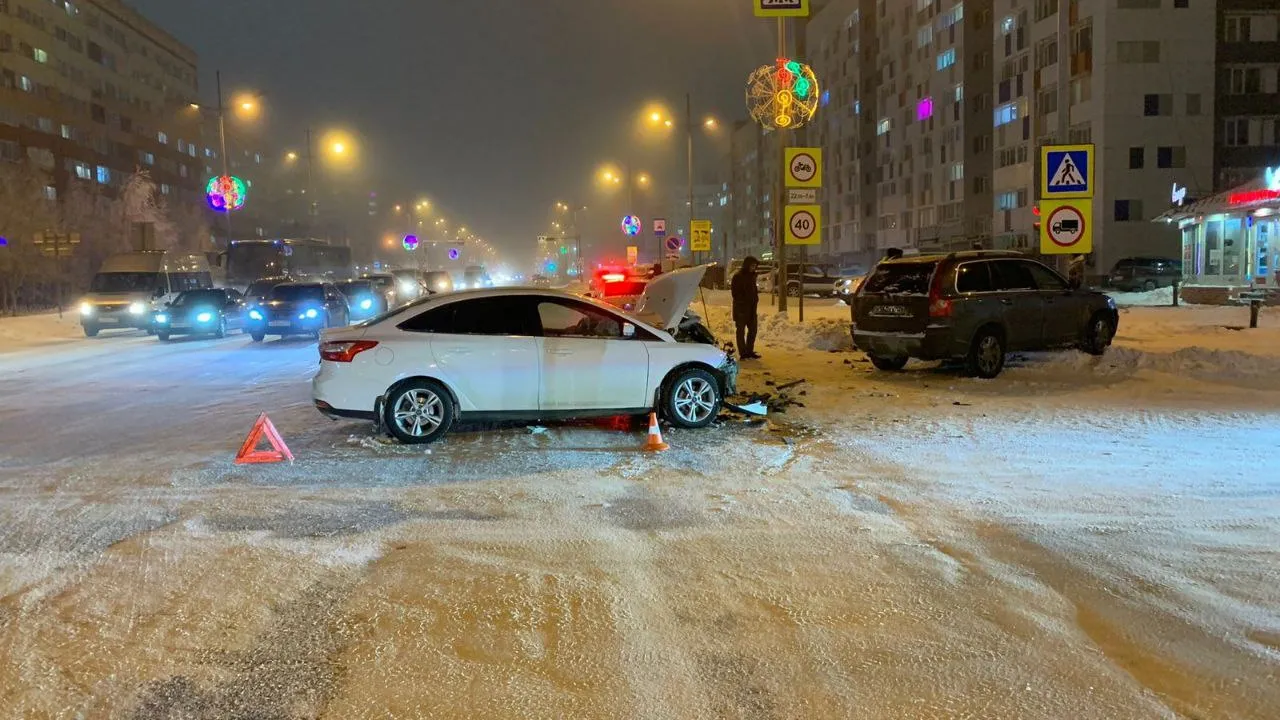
[[745, 300]]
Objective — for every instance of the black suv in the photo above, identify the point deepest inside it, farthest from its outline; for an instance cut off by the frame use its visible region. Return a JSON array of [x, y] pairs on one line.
[[1144, 273], [976, 307]]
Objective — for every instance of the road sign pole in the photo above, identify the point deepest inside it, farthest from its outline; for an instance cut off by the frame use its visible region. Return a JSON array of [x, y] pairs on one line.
[[779, 240]]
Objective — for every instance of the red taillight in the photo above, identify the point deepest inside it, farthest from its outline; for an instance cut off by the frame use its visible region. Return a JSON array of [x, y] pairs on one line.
[[344, 350], [939, 306]]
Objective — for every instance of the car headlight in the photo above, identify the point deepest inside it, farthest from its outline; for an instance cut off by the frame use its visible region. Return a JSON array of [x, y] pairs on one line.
[[204, 317], [366, 304], [162, 318], [310, 314], [86, 308], [255, 315], [408, 288], [137, 308]]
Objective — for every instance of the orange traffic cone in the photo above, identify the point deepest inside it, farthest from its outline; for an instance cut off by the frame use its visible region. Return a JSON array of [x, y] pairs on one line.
[[654, 443]]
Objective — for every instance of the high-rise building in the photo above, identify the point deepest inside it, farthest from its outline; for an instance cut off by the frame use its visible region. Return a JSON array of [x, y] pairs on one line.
[[753, 176], [934, 112], [91, 90]]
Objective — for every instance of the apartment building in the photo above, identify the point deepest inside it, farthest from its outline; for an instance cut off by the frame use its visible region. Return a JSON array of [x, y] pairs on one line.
[[91, 90], [1247, 92], [754, 162]]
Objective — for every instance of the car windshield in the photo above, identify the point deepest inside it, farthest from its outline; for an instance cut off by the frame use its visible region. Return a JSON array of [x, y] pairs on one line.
[[260, 288], [351, 288], [200, 297], [382, 282], [121, 282], [900, 278], [297, 293]]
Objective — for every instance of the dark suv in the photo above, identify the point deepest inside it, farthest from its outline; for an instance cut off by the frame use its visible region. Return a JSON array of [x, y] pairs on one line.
[[298, 308], [1144, 273], [974, 306]]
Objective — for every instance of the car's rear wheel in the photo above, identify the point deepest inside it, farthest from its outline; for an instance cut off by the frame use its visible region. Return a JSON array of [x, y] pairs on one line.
[[91, 330], [1149, 285], [692, 399], [986, 354], [793, 290], [418, 411], [1099, 335], [888, 363]]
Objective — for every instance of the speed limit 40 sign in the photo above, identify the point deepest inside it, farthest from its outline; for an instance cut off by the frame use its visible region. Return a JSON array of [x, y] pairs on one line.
[[804, 224]]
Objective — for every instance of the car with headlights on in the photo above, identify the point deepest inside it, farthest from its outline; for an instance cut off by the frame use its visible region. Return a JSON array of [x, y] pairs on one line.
[[363, 298], [201, 312], [526, 354], [298, 308]]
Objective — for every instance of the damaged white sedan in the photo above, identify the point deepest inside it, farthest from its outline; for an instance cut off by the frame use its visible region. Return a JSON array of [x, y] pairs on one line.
[[526, 354]]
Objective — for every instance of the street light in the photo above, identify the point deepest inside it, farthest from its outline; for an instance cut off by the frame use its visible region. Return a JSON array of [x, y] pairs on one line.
[[291, 156]]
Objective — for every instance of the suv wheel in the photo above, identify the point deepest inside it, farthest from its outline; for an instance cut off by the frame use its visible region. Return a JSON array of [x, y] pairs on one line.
[[891, 363], [90, 330], [1149, 285], [986, 354], [793, 289], [1099, 335]]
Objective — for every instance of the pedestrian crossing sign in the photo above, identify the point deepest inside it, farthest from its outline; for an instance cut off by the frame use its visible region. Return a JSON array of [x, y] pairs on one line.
[[1066, 171]]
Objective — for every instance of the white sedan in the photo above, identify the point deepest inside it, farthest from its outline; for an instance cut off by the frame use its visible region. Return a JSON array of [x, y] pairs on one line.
[[524, 354]]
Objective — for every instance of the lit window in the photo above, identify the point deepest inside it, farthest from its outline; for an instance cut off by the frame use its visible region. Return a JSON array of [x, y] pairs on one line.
[[163, 138], [857, 107], [257, 158], [959, 92], [25, 83], [946, 59], [1007, 25], [39, 55], [104, 175], [883, 126], [956, 171], [924, 109], [165, 189], [50, 192], [68, 132], [83, 171], [826, 97], [1006, 114]]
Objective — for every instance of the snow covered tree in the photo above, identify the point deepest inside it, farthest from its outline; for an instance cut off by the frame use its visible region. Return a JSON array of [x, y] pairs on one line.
[[25, 210]]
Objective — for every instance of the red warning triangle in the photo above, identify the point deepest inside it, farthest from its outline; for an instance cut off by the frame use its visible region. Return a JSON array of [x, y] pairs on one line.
[[278, 453]]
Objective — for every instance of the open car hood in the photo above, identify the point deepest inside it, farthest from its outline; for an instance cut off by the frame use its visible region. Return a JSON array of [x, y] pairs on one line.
[[666, 298]]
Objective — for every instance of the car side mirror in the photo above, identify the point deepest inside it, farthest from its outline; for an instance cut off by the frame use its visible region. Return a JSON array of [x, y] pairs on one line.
[[628, 330]]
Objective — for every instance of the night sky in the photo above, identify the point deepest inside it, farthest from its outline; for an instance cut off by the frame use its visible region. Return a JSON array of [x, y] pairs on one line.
[[492, 108]]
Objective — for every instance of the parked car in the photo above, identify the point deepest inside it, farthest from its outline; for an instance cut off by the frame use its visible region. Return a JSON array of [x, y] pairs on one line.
[[298, 308], [813, 278], [845, 287], [976, 307], [201, 312], [620, 287], [363, 298], [529, 354], [1144, 273]]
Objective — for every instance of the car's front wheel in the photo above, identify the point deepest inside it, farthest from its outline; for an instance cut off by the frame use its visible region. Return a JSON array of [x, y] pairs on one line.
[[162, 336], [986, 354], [889, 363], [418, 411], [692, 399], [90, 330], [1099, 335], [1149, 285], [257, 336], [793, 290]]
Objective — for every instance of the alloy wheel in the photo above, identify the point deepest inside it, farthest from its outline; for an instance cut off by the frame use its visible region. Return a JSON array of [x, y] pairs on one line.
[[418, 412], [694, 399]]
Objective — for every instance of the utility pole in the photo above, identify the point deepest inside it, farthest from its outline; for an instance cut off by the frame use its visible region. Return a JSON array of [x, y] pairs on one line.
[[311, 203], [688, 131], [222, 141], [779, 188]]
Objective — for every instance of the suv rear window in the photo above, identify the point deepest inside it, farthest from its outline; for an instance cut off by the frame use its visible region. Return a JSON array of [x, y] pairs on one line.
[[910, 278]]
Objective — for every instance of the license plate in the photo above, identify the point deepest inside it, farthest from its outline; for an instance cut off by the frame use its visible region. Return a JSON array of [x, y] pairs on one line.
[[891, 311], [279, 323]]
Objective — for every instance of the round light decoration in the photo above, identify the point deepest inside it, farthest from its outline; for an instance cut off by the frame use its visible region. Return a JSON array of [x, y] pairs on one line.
[[783, 95], [225, 193], [454, 253], [410, 242], [631, 226]]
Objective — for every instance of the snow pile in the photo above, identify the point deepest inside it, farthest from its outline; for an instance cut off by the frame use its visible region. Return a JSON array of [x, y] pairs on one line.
[[826, 334], [26, 331], [1156, 298], [1197, 362]]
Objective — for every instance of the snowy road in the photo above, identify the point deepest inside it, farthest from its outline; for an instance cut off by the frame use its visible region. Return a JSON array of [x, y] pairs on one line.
[[1066, 541]]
